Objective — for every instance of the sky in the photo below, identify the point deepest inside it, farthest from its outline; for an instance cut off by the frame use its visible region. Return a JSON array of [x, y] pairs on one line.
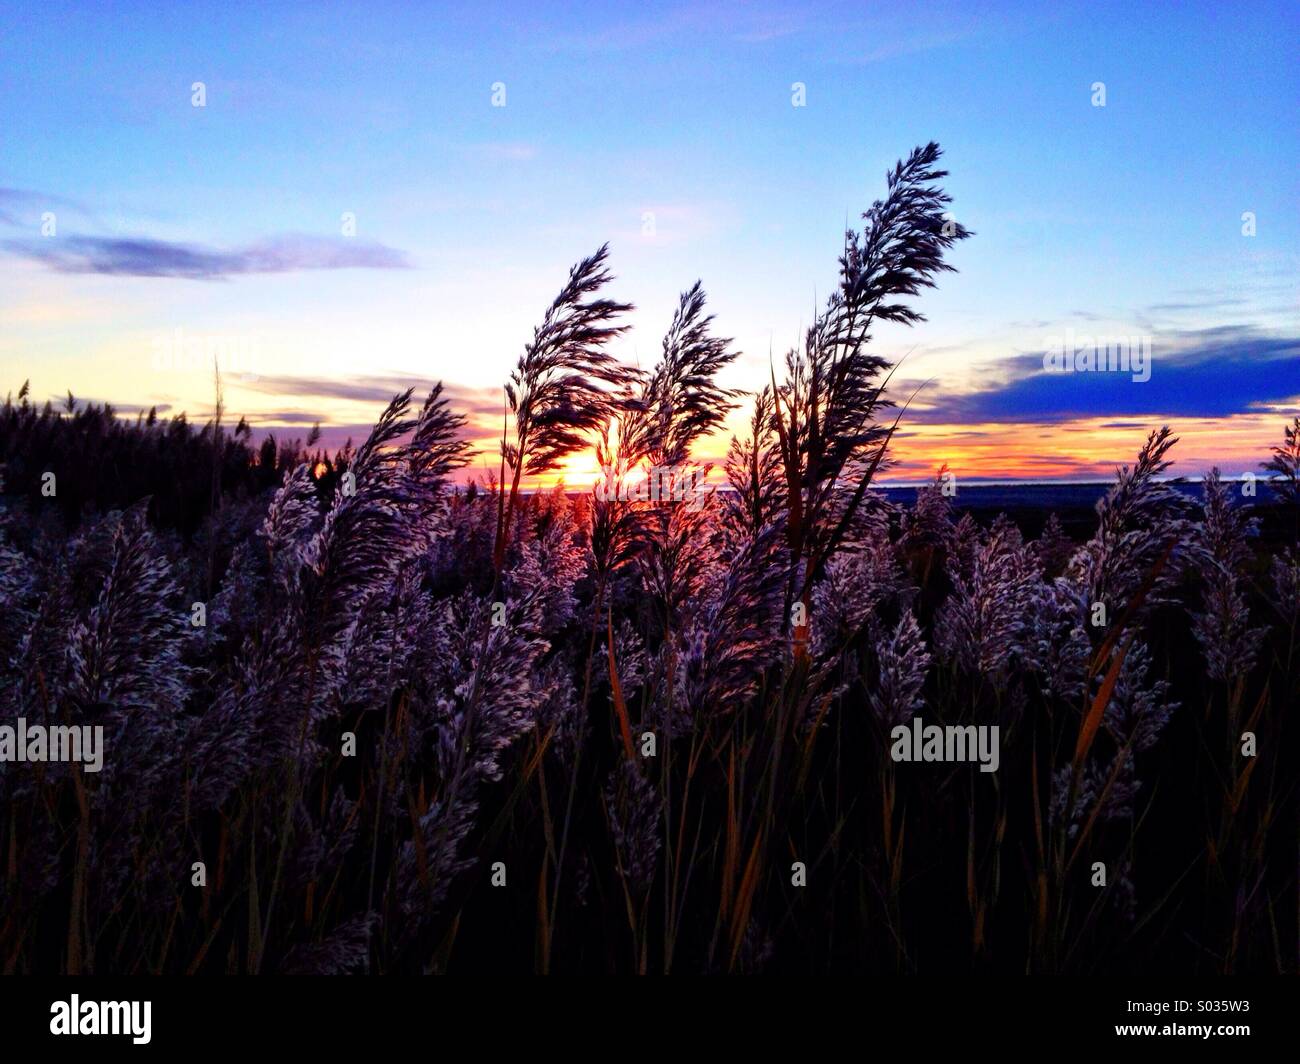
[[377, 196]]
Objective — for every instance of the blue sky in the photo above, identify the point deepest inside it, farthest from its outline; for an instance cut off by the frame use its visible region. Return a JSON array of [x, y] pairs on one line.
[[220, 225]]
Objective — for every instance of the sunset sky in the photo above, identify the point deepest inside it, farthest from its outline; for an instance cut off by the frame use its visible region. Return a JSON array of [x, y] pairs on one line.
[[172, 231]]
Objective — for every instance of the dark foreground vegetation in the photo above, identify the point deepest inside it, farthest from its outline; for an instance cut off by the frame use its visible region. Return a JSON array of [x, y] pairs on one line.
[[426, 729]]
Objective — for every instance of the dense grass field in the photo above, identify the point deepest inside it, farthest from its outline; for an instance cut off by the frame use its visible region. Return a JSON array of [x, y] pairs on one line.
[[361, 717]]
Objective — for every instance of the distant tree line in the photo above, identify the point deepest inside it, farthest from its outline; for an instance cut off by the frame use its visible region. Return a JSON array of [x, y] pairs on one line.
[[103, 461]]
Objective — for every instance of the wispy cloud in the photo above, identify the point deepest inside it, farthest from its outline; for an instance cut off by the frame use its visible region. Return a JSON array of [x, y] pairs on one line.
[[275, 418], [23, 206], [144, 257], [479, 404], [503, 151], [906, 46], [1212, 303]]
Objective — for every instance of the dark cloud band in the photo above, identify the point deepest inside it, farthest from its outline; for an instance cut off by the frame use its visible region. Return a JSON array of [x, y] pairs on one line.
[[1211, 373]]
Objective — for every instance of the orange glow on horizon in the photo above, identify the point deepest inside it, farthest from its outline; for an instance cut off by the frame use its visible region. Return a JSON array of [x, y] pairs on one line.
[[1084, 449]]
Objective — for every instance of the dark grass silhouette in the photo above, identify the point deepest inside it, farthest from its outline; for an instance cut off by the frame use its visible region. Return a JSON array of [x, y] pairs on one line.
[[428, 728]]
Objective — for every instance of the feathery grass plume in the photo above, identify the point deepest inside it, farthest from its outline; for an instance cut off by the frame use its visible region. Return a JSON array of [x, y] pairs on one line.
[[61, 593], [1224, 530], [253, 716], [380, 650], [929, 522], [1053, 548], [681, 401], [106, 649], [549, 567], [460, 554], [254, 720], [565, 385], [124, 654], [328, 575], [985, 624], [1221, 552], [720, 652], [502, 661], [862, 518], [675, 557], [634, 807], [375, 524], [233, 606], [482, 700], [323, 836], [676, 560], [1092, 796], [630, 655], [901, 664], [436, 448], [344, 951], [18, 596], [430, 860], [1139, 707], [618, 526], [1108, 784], [846, 599], [364, 533], [551, 561], [228, 742], [556, 710], [826, 410], [365, 530], [1284, 573], [1061, 650], [753, 468], [963, 547], [1285, 463], [291, 518], [928, 534], [337, 632], [1223, 629], [1138, 518]]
